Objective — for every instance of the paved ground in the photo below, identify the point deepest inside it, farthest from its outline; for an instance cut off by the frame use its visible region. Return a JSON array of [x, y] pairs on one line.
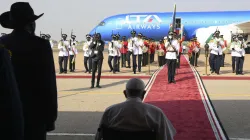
[[81, 108]]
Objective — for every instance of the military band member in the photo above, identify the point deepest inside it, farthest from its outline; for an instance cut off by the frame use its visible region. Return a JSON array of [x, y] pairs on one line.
[[97, 47], [145, 52], [233, 52], [190, 50], [87, 53], [72, 53], [243, 46], [137, 51], [131, 45], [48, 37], [152, 47], [195, 52], [124, 50], [171, 56], [112, 54], [216, 54], [180, 52], [224, 47], [63, 47], [236, 49], [161, 50]]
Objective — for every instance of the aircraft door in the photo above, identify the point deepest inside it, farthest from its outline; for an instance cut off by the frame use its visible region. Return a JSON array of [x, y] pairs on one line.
[[178, 23]]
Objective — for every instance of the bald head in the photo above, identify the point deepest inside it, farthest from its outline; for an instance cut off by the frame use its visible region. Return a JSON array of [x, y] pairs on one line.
[[135, 88]]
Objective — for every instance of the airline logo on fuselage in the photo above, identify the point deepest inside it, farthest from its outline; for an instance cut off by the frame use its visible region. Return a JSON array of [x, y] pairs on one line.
[[143, 22]]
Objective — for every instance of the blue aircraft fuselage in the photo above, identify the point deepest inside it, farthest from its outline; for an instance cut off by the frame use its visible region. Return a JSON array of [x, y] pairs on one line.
[[156, 25]]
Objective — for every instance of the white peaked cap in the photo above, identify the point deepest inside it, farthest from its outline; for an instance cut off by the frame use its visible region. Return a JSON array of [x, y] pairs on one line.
[[165, 37], [135, 84]]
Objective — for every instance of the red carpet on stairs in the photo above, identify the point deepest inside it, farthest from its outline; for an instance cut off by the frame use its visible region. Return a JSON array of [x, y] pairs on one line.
[[184, 104]]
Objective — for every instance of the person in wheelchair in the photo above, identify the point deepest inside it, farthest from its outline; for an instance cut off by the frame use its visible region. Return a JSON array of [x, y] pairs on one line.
[[135, 116]]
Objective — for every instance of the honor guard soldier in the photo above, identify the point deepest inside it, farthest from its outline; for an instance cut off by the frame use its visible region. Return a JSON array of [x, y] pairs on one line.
[[236, 50], [72, 52], [190, 50], [112, 54], [196, 52], [131, 44], [161, 50], [137, 51], [97, 47], [48, 37], [152, 47], [180, 52], [87, 53], [63, 47], [124, 50], [145, 52], [119, 45], [172, 50]]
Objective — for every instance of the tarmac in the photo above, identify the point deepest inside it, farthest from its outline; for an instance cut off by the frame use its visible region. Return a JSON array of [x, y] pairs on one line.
[[81, 108]]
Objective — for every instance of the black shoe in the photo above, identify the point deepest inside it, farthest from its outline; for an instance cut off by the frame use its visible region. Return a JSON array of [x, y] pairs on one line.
[[92, 87], [169, 82], [111, 70], [86, 71], [134, 72], [174, 82], [98, 86], [65, 72], [233, 71]]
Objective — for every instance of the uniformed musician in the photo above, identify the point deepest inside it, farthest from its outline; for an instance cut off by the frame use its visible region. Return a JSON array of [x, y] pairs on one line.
[[145, 52], [63, 47], [72, 52], [161, 50], [171, 56], [124, 50], [112, 48], [87, 53], [216, 53], [97, 47], [224, 47], [131, 44], [137, 51], [152, 47], [233, 52], [195, 52], [243, 46]]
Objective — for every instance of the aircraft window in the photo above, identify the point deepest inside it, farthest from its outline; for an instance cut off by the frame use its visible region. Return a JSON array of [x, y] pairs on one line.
[[102, 23]]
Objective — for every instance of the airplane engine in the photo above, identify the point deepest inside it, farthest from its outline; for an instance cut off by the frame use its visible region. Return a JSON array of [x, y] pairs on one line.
[[202, 34]]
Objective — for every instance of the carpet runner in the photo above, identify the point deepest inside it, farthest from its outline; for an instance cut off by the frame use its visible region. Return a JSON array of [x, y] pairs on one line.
[[186, 104]]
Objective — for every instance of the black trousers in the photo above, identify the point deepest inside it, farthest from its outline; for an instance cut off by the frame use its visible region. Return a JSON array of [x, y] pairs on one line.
[[123, 57], [34, 131], [96, 66], [152, 58], [144, 59], [63, 62], [114, 67], [139, 63], [171, 69], [161, 60], [233, 63], [194, 59], [71, 63], [215, 62], [243, 60], [128, 58], [239, 65], [118, 64], [179, 60], [87, 60], [223, 60]]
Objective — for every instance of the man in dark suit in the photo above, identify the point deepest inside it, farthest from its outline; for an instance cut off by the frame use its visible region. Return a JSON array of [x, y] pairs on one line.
[[97, 47], [33, 64]]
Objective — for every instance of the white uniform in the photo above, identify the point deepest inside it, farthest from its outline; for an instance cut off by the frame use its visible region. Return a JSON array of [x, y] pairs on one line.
[[113, 51], [138, 47], [216, 50], [172, 55], [86, 49], [51, 44], [244, 46], [237, 52], [119, 46], [73, 48], [130, 46], [137, 116], [62, 47]]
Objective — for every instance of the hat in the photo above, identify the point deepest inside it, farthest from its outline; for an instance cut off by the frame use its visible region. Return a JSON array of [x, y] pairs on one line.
[[88, 36], [113, 36], [20, 14], [64, 35], [217, 32], [48, 36], [165, 37], [140, 34], [73, 36], [133, 32], [124, 37], [240, 36], [191, 39], [170, 33], [234, 36], [2, 34], [221, 36]]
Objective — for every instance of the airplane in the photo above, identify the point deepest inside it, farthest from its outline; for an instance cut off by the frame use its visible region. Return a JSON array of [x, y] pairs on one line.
[[156, 25]]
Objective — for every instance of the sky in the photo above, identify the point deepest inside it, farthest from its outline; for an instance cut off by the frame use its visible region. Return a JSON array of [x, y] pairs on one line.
[[82, 15]]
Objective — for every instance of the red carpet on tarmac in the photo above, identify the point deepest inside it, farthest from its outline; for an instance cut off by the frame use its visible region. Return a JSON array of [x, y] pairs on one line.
[[186, 104]]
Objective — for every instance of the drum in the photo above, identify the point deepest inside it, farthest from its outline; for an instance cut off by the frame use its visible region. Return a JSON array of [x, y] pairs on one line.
[[161, 53], [196, 49]]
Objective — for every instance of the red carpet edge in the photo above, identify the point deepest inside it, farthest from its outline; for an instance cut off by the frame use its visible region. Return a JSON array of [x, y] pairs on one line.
[[219, 131]]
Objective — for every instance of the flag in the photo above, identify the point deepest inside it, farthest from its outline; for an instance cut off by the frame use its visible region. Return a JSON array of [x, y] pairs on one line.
[[173, 22], [209, 38]]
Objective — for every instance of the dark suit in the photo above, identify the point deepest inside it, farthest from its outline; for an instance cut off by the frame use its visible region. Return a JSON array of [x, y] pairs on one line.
[[34, 69], [11, 118], [97, 60]]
